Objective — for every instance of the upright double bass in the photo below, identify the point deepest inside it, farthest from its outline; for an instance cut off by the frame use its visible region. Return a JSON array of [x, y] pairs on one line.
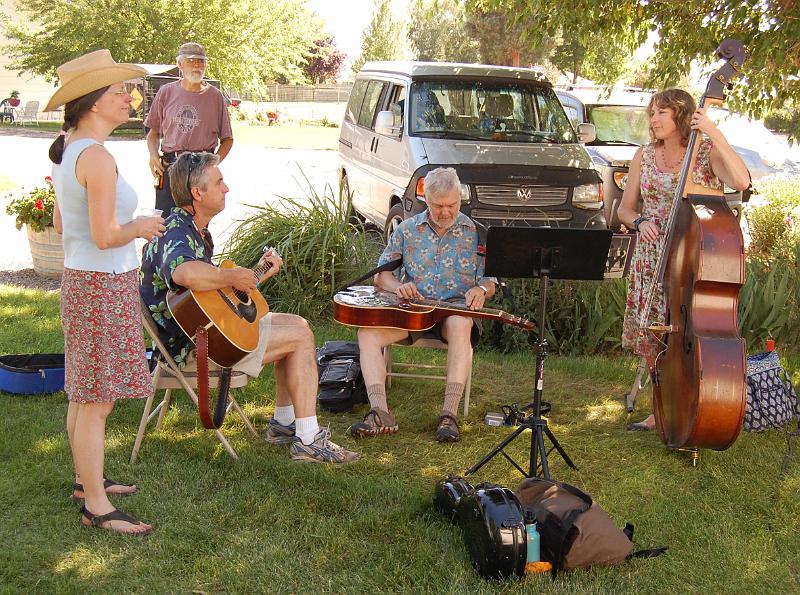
[[699, 388]]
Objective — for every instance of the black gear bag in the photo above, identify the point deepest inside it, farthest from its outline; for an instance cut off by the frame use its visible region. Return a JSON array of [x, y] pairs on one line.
[[341, 384]]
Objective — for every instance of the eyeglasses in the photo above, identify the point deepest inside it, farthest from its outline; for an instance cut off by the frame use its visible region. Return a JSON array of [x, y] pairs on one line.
[[194, 161], [195, 61]]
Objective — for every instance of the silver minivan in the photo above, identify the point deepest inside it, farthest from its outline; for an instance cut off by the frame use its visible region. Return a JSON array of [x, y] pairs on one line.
[[502, 129]]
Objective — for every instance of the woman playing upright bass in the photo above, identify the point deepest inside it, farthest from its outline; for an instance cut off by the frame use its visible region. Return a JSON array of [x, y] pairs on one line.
[[652, 179]]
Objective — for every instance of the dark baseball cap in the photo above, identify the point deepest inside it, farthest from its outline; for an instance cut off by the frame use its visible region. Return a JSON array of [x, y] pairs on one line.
[[192, 49]]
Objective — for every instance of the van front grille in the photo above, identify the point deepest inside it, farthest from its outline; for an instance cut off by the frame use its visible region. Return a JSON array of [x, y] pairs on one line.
[[521, 196], [519, 217]]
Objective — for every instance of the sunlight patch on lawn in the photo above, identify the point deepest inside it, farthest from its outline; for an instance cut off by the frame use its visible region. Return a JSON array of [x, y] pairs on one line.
[[605, 411], [50, 445], [87, 563]]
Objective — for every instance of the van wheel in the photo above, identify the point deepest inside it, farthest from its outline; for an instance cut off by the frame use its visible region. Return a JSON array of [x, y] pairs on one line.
[[347, 201], [393, 219]]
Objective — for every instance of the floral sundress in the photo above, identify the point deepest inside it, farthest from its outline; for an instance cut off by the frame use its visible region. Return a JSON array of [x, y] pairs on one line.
[[658, 193]]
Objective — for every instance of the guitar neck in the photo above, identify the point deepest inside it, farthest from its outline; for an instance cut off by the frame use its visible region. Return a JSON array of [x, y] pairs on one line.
[[480, 313]]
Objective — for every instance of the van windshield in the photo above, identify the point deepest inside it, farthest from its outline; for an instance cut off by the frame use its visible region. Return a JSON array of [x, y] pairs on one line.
[[620, 124], [485, 110]]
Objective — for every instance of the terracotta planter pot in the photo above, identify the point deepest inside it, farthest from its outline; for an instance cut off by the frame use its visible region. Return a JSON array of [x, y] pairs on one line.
[[47, 252]]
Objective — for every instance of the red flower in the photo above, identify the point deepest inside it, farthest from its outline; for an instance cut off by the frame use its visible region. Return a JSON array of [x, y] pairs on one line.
[[39, 205], [49, 180]]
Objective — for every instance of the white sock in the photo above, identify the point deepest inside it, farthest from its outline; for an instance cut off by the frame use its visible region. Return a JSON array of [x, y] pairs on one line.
[[284, 415], [306, 428]]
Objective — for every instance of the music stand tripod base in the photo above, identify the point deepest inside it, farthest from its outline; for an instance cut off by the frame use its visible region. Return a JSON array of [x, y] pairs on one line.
[[543, 253]]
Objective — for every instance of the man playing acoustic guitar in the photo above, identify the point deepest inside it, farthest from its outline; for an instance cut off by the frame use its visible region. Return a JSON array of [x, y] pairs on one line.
[[439, 248], [182, 259]]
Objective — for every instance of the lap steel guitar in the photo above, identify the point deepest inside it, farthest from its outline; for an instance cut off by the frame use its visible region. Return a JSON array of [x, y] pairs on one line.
[[363, 305]]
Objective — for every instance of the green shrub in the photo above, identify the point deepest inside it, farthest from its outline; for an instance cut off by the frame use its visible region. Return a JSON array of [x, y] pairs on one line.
[[582, 316], [321, 250], [773, 218], [769, 303], [783, 120]]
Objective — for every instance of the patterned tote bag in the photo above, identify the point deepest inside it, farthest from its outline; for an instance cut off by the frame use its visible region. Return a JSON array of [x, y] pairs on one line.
[[771, 398]]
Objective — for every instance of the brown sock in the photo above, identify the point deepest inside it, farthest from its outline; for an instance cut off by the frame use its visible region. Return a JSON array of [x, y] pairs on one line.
[[377, 396], [452, 397]]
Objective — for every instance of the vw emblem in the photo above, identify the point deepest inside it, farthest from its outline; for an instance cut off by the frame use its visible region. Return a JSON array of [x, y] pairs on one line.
[[524, 194]]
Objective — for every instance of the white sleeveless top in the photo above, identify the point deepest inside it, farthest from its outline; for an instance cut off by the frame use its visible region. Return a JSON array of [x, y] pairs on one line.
[[80, 251]]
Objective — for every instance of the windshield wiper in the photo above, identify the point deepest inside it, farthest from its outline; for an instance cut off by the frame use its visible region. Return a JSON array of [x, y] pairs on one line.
[[449, 134], [532, 134], [616, 142]]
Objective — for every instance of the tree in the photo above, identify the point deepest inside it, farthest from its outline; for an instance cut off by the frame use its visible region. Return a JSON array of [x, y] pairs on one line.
[[502, 38], [380, 40], [687, 31], [596, 59], [437, 32], [249, 42], [324, 61]]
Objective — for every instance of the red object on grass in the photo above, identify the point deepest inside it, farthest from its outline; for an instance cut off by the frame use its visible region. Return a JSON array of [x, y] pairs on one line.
[[770, 345]]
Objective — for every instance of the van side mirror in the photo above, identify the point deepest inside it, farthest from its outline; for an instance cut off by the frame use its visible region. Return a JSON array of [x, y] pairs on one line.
[[586, 132], [384, 124]]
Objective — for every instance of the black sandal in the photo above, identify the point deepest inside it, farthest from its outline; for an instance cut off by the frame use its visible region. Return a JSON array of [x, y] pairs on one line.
[[107, 483], [447, 431], [115, 515]]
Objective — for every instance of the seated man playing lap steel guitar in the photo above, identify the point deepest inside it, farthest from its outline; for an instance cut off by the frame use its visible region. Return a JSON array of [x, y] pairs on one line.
[[439, 248], [182, 259]]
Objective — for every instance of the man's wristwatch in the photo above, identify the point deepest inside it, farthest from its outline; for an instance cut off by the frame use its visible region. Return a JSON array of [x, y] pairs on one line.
[[485, 291], [638, 221]]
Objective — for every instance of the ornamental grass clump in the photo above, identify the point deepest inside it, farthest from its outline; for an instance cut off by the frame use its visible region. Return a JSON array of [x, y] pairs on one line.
[[321, 250], [34, 208]]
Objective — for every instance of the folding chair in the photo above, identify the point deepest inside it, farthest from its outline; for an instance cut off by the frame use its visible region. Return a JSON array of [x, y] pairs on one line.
[[430, 343], [29, 114], [167, 376]]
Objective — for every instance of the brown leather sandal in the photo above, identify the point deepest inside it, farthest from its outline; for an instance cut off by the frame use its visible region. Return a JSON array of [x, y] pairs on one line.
[[447, 431], [375, 422], [97, 521]]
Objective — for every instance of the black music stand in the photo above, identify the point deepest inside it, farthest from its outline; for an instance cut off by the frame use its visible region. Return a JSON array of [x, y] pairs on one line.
[[544, 253]]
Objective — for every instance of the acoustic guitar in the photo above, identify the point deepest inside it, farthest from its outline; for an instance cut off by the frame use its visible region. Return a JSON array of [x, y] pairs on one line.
[[363, 305], [230, 317]]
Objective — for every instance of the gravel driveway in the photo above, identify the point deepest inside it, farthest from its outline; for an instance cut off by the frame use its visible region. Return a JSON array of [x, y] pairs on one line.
[[255, 175]]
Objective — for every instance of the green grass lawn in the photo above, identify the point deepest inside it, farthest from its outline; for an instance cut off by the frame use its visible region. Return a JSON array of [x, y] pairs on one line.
[[266, 524], [287, 136]]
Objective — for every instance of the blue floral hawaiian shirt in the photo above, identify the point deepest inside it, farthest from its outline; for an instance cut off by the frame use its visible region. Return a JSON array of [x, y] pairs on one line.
[[182, 242], [442, 267]]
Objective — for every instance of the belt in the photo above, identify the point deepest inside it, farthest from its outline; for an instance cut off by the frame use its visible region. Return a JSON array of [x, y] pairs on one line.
[[171, 156]]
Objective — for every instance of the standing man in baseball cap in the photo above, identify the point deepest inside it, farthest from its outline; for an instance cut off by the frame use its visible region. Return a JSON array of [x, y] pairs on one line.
[[188, 115]]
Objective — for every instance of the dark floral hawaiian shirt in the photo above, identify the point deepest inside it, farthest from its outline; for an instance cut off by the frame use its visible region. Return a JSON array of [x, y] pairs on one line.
[[182, 242], [442, 267]]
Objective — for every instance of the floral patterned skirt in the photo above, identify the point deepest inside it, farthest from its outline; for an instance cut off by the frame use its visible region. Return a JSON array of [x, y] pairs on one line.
[[103, 341]]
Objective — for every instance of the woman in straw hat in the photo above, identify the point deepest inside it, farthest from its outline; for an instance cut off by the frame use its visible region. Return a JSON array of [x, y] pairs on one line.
[[103, 344]]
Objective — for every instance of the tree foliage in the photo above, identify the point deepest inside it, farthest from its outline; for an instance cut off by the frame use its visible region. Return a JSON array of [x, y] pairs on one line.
[[248, 41], [380, 40], [687, 31], [503, 39], [437, 32], [324, 61]]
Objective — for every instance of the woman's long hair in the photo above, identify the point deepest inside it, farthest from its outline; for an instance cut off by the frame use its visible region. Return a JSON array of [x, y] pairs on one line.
[[73, 112], [683, 106]]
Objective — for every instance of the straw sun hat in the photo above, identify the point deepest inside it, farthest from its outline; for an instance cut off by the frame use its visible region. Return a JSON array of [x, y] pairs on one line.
[[88, 73]]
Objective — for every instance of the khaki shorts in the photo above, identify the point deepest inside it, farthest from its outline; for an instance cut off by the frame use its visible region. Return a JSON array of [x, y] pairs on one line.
[[252, 363]]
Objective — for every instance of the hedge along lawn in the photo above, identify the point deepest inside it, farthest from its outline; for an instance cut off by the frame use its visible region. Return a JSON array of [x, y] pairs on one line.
[[278, 136], [266, 524]]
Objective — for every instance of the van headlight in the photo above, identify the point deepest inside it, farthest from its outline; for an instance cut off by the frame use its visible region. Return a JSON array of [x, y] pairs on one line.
[[465, 193], [588, 196]]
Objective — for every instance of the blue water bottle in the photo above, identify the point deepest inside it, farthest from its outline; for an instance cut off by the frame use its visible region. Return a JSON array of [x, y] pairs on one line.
[[534, 554]]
